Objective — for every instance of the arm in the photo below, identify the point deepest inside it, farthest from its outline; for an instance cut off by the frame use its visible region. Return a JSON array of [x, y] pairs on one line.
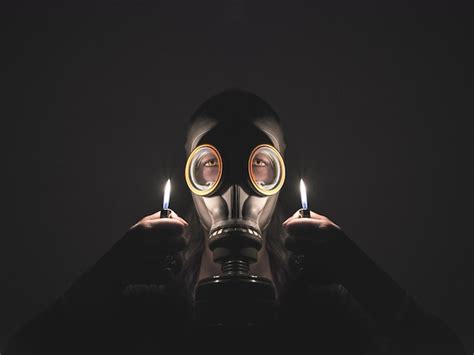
[[324, 254], [103, 306]]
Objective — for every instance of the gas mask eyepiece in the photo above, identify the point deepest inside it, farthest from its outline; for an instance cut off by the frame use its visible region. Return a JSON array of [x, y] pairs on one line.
[[203, 170], [266, 170]]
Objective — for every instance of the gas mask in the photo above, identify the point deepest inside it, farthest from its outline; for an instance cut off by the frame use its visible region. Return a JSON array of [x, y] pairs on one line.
[[235, 168], [235, 171]]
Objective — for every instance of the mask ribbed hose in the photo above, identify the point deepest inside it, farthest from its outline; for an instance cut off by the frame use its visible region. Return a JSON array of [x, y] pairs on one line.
[[235, 266]]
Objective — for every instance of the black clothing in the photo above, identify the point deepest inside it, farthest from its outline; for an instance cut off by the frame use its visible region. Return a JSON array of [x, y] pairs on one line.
[[105, 311]]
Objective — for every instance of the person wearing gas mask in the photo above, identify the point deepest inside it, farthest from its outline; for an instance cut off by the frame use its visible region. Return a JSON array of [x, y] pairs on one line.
[[325, 294]]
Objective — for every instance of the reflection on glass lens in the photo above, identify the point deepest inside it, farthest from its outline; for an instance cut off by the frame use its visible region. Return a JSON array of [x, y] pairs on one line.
[[204, 168], [266, 169]]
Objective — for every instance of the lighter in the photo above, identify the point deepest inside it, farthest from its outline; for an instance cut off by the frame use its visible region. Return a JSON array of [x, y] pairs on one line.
[[304, 211], [166, 212]]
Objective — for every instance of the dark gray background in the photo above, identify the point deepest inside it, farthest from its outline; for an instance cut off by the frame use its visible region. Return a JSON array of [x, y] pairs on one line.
[[373, 102]]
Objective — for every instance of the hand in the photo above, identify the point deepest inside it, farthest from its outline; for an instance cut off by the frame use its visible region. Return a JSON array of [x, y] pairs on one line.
[[161, 234], [318, 246], [150, 248], [308, 232]]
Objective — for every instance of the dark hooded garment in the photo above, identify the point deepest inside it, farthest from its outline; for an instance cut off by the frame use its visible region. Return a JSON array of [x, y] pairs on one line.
[[126, 305]]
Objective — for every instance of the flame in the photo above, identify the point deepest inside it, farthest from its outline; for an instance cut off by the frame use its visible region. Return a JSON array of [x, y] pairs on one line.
[[304, 200], [166, 197]]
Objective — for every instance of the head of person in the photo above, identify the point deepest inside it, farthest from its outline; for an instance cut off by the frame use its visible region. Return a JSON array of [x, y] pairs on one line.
[[235, 170]]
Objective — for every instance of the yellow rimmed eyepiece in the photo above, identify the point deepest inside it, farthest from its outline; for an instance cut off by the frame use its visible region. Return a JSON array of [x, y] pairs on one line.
[[266, 169], [203, 170]]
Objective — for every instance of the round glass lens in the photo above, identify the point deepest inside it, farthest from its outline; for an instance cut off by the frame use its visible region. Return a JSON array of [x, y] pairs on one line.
[[266, 169], [204, 169]]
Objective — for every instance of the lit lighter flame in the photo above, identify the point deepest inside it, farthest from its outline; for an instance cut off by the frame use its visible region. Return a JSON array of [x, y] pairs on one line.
[[166, 197], [304, 200]]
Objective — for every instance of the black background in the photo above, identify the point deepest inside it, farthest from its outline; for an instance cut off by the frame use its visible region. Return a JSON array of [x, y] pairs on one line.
[[373, 101]]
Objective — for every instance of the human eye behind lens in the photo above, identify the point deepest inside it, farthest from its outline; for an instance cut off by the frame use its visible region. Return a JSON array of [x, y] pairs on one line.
[[259, 162], [210, 163]]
